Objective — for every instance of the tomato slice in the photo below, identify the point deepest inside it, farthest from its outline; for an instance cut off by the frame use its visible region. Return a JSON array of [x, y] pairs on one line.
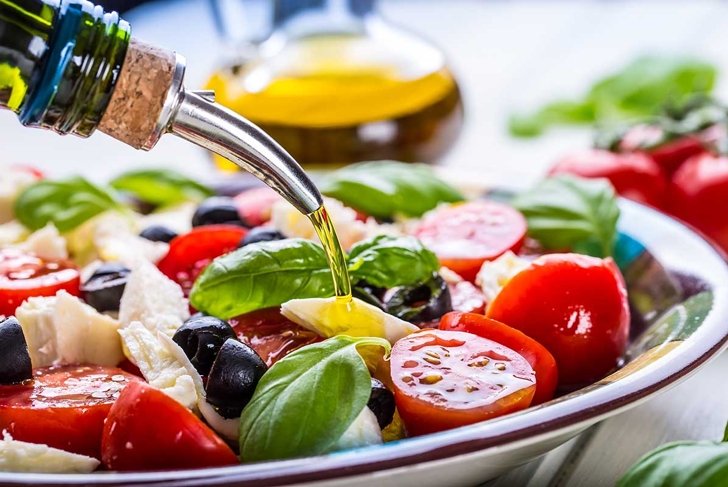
[[190, 253], [270, 334], [576, 307], [445, 379], [255, 205], [148, 430], [63, 407], [23, 275], [465, 235], [543, 363]]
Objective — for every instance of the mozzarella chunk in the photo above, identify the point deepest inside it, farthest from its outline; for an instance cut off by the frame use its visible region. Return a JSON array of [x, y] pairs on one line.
[[364, 431], [328, 317], [12, 232], [20, 456], [177, 218], [495, 274], [35, 316], [12, 182], [46, 243]]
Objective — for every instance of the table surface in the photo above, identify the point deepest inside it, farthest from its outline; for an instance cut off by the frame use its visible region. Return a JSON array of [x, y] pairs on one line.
[[506, 55]]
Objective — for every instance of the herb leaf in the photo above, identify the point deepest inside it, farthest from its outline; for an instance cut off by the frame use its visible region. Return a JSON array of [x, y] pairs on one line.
[[161, 186], [383, 189], [66, 203], [306, 401], [386, 261], [565, 212]]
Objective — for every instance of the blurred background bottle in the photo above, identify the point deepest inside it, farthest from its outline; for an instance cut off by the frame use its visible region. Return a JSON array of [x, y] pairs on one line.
[[334, 83]]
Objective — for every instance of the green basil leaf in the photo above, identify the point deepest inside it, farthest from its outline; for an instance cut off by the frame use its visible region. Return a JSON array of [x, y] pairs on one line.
[[262, 275], [565, 212], [161, 186], [384, 189], [386, 261], [66, 203], [306, 401]]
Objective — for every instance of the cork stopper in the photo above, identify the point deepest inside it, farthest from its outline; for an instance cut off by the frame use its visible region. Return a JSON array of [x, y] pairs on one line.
[[135, 109]]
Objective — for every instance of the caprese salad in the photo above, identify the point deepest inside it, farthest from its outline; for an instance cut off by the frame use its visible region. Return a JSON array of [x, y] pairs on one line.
[[154, 323]]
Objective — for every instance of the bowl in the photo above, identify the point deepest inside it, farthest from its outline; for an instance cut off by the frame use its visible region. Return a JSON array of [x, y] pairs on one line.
[[678, 285]]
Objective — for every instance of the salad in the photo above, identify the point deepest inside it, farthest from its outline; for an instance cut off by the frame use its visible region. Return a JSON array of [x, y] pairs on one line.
[[158, 323]]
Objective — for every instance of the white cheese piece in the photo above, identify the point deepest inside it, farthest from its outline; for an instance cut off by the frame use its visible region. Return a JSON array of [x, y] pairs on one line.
[[12, 182], [46, 243], [177, 218], [20, 456], [364, 431], [12, 232], [495, 274], [35, 316]]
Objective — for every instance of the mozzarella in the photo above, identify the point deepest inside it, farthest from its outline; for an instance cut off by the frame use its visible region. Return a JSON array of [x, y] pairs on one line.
[[495, 274], [12, 232], [177, 218], [364, 431], [19, 456], [12, 182], [35, 316], [46, 243]]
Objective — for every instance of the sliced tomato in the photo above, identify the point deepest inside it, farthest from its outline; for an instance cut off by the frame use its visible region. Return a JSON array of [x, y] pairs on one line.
[[23, 275], [63, 407], [270, 334], [148, 430], [255, 205], [445, 379], [190, 253], [576, 307], [543, 363], [465, 235]]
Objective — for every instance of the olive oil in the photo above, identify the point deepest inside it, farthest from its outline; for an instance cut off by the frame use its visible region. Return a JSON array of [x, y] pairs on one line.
[[335, 256]]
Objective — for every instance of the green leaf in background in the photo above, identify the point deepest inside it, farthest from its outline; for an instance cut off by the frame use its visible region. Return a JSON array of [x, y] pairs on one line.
[[384, 189], [681, 463], [387, 262], [66, 203], [639, 90], [566, 212], [161, 187], [306, 401]]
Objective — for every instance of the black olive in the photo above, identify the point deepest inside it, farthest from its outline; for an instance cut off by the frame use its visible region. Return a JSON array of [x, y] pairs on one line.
[[426, 302], [261, 234], [381, 402], [369, 294], [217, 210], [15, 366], [233, 378], [201, 339], [158, 233], [104, 288]]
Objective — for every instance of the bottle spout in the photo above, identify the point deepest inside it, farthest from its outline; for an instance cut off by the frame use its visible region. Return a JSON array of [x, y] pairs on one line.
[[198, 119]]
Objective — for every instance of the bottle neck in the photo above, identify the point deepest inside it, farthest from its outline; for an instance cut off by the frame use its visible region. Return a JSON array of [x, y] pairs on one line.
[[297, 18]]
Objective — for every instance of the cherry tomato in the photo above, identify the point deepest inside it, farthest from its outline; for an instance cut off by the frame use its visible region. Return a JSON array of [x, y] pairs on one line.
[[633, 175], [255, 205], [465, 235], [190, 253], [148, 430], [23, 275], [543, 363], [270, 334], [669, 155], [575, 306], [63, 407], [465, 296], [445, 379]]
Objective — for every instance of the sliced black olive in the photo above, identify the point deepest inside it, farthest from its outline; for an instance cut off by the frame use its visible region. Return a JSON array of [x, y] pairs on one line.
[[233, 378], [217, 210], [381, 402], [15, 366], [261, 234], [422, 303], [104, 288], [201, 339], [158, 233], [369, 294]]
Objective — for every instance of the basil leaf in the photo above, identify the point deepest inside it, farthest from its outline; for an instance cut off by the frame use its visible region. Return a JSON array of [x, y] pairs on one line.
[[565, 212], [161, 186], [262, 275], [386, 261], [384, 189], [65, 203], [306, 400]]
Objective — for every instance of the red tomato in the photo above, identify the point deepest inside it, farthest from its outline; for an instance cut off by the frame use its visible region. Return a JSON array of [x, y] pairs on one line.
[[670, 155], [633, 175], [465, 296], [543, 363], [23, 275], [148, 430], [63, 407], [270, 334], [255, 205], [190, 253], [575, 306], [465, 235], [445, 379]]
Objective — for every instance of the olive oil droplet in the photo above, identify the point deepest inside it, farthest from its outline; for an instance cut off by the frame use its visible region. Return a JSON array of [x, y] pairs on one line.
[[334, 254]]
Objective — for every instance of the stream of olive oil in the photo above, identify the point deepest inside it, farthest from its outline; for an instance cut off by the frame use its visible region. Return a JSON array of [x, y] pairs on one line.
[[335, 256]]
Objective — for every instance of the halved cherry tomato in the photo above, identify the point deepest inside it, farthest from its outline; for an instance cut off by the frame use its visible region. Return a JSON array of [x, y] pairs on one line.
[[63, 407], [270, 334], [190, 253], [575, 306], [465, 235], [23, 275], [543, 363], [255, 205], [148, 430], [445, 379]]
